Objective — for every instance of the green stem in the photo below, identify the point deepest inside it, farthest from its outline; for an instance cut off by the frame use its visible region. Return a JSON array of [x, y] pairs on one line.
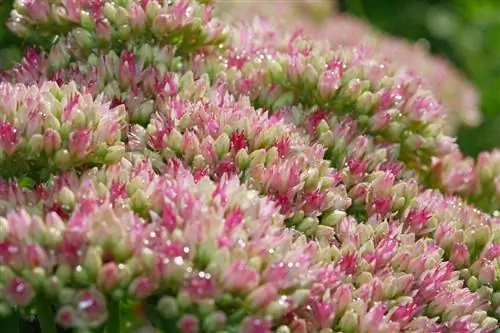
[[45, 314], [113, 325], [11, 323]]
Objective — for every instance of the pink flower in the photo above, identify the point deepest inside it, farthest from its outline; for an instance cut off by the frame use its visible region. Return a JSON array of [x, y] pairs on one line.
[[234, 219], [255, 325], [141, 288], [416, 220], [188, 324], [403, 314], [238, 140], [80, 143], [239, 276], [51, 141], [201, 286], [323, 313], [137, 16], [460, 255], [8, 137], [267, 182], [9, 253], [73, 10], [91, 305], [329, 83], [66, 317], [36, 256], [38, 10], [432, 281], [263, 296], [108, 276], [103, 28], [18, 292], [374, 318]]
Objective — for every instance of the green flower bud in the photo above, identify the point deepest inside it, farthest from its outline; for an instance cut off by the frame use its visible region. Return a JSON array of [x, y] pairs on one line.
[[332, 219], [257, 157], [175, 141], [349, 322], [222, 145], [35, 143], [63, 158], [86, 21], [168, 307], [81, 276], [92, 262], [109, 11], [276, 310], [215, 321], [67, 197]]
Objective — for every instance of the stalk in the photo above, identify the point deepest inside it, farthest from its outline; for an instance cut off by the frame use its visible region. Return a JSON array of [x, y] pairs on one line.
[[113, 324], [45, 314]]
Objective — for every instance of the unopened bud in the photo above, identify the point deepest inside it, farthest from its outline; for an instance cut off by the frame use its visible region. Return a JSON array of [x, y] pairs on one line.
[[262, 296], [66, 197], [308, 225], [349, 322], [114, 155], [167, 306], [283, 329], [175, 140], [36, 143], [86, 21], [332, 219], [215, 322], [310, 75], [257, 157], [276, 310], [81, 276], [366, 101], [242, 159], [83, 38], [489, 323], [222, 145], [300, 296], [92, 262], [63, 158], [271, 156]]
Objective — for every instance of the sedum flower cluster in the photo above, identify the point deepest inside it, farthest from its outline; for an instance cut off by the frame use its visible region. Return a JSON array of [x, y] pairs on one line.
[[314, 16], [162, 170]]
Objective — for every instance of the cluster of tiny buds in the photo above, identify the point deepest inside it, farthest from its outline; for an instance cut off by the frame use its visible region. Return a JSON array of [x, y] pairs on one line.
[[155, 173], [315, 18]]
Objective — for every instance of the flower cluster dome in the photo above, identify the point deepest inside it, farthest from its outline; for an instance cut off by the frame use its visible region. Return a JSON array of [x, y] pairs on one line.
[[165, 169]]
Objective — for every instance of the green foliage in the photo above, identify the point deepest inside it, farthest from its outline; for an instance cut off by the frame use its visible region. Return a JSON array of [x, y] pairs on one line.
[[10, 45]]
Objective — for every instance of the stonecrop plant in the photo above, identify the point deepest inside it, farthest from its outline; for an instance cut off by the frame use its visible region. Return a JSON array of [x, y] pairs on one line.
[[166, 170]]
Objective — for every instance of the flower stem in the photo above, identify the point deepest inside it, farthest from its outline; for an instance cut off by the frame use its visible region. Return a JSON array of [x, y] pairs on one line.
[[45, 314], [113, 325], [11, 323]]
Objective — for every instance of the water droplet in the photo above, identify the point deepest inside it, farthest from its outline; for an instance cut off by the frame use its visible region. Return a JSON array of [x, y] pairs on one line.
[[179, 260]]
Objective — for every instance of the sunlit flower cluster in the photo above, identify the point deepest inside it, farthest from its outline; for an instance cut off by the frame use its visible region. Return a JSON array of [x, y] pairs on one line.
[[315, 18], [163, 170]]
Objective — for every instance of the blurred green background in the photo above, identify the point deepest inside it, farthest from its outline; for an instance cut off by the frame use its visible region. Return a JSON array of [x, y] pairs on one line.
[[10, 46], [467, 32]]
